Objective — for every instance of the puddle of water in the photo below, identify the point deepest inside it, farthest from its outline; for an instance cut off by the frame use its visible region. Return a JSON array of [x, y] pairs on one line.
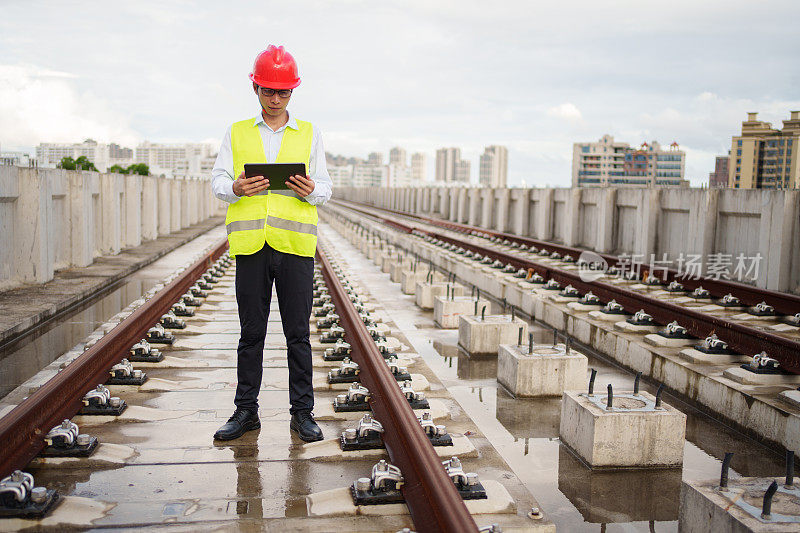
[[22, 360]]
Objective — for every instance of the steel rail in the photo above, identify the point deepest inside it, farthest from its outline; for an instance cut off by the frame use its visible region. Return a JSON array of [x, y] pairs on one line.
[[22, 429], [431, 496], [783, 302], [740, 338]]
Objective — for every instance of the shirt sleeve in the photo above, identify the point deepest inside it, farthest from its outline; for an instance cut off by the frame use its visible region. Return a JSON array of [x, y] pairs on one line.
[[323, 186], [222, 174]]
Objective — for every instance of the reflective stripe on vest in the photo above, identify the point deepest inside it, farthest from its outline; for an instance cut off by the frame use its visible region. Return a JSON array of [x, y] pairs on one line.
[[280, 218], [291, 225]]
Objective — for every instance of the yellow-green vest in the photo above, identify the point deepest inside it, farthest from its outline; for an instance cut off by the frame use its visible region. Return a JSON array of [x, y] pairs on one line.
[[280, 218]]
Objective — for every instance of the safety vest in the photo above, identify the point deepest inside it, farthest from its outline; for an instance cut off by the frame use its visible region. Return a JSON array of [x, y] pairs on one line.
[[279, 218]]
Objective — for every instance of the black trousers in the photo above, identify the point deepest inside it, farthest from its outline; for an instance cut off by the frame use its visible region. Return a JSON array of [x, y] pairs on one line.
[[293, 276]]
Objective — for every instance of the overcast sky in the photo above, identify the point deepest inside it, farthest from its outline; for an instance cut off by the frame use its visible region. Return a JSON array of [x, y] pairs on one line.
[[534, 76]]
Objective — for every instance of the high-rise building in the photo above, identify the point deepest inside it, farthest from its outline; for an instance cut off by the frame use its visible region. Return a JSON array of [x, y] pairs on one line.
[[450, 168], [375, 158], [494, 167], [462, 171], [719, 178], [609, 163], [418, 170], [765, 158], [397, 156]]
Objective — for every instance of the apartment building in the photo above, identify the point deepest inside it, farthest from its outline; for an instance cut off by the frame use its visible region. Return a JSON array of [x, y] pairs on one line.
[[101, 154], [177, 160], [493, 170], [719, 178], [765, 158], [397, 156], [450, 168], [419, 163], [611, 163]]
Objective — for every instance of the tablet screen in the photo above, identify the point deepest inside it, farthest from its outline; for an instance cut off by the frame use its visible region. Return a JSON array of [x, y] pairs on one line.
[[276, 173]]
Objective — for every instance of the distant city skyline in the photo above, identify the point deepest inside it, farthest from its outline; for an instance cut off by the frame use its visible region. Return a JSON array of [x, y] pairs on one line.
[[537, 78]]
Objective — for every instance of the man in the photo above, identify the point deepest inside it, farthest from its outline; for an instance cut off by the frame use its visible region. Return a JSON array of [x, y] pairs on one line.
[[273, 235]]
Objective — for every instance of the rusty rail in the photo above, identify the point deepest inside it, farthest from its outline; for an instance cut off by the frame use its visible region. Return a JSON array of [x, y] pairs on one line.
[[783, 302], [430, 494], [740, 338], [22, 430]]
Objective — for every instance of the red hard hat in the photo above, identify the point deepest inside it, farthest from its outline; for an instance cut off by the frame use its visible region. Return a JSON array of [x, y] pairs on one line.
[[275, 68]]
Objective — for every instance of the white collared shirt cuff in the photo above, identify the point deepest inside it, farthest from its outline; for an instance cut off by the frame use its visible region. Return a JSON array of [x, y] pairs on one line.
[[223, 189], [318, 196]]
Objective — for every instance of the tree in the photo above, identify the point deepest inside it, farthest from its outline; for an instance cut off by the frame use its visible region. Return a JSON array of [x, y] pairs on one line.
[[116, 169], [140, 168], [83, 163], [67, 163]]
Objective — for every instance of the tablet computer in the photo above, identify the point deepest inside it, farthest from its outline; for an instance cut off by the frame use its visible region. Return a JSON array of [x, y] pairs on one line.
[[276, 173]]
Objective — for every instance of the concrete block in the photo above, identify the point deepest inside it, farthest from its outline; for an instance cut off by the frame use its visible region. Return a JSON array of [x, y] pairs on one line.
[[627, 327], [409, 279], [175, 217], [630, 434], [607, 317], [132, 229], [150, 208], [111, 206], [424, 293], [696, 356], [447, 312], [484, 335], [705, 508], [745, 377], [164, 207], [397, 269], [654, 339], [545, 371], [387, 260], [577, 306], [84, 199]]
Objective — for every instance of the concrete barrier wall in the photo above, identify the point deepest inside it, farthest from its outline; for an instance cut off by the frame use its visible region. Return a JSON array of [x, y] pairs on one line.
[[672, 226], [52, 218]]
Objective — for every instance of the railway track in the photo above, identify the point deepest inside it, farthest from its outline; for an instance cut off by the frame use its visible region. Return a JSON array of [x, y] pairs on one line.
[[559, 264], [414, 474]]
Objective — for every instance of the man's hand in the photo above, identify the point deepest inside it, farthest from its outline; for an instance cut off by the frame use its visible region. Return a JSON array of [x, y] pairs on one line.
[[302, 186], [249, 186]]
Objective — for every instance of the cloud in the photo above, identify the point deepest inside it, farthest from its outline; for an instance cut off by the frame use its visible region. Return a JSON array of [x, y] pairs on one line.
[[42, 105], [567, 111]]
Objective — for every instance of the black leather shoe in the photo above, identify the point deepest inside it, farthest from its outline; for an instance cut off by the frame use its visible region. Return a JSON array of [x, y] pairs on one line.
[[241, 421], [303, 423]]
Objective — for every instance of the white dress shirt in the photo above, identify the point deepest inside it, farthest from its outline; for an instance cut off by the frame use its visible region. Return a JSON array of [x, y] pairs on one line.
[[222, 176]]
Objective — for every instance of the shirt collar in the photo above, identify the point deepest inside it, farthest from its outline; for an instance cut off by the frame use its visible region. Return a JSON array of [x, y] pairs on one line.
[[291, 123]]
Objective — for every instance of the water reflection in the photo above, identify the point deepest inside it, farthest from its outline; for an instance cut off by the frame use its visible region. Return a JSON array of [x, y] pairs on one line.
[[22, 359], [537, 418], [467, 366], [604, 497]]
